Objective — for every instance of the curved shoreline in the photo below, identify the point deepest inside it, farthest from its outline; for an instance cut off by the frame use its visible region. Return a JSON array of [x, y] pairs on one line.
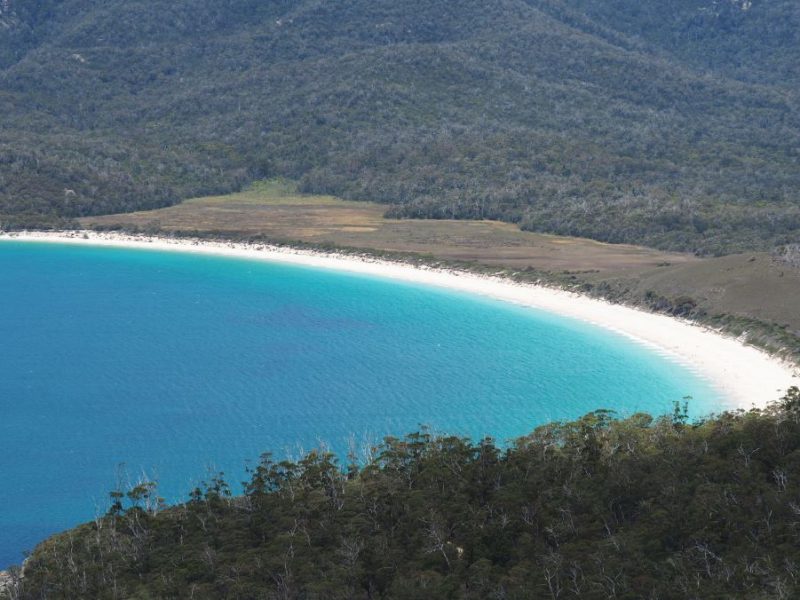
[[746, 376]]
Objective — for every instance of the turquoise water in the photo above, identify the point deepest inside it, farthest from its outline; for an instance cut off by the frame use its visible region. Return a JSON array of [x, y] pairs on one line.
[[174, 364]]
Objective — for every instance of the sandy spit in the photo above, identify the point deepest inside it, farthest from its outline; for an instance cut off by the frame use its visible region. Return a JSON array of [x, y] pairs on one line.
[[746, 376]]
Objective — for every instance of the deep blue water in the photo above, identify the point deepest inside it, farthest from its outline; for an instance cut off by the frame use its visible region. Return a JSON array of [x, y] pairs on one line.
[[175, 364]]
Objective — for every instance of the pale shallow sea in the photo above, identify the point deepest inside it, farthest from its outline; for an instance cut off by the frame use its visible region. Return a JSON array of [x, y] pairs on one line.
[[177, 364]]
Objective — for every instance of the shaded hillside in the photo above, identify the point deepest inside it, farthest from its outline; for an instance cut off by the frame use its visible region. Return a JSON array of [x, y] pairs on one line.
[[751, 40], [596, 508], [573, 117]]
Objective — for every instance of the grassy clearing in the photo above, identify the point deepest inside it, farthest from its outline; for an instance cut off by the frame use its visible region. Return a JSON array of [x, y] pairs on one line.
[[275, 210]]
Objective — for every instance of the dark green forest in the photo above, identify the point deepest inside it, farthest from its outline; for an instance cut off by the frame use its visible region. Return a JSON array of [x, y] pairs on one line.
[[602, 507], [670, 124]]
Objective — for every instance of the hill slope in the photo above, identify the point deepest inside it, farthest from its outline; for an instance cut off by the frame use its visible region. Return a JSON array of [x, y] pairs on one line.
[[599, 119]]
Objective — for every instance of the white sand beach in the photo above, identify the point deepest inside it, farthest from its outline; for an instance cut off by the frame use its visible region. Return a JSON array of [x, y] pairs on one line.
[[746, 376]]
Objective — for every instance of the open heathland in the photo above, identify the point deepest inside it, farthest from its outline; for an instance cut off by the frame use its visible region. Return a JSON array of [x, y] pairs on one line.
[[275, 210]]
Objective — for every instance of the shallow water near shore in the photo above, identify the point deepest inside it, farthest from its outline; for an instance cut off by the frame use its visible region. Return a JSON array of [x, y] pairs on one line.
[[177, 364]]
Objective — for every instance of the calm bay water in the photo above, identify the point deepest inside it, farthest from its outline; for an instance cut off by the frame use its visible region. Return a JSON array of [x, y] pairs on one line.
[[175, 364]]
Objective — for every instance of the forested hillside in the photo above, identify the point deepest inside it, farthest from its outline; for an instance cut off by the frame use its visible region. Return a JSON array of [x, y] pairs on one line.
[[596, 508], [672, 124]]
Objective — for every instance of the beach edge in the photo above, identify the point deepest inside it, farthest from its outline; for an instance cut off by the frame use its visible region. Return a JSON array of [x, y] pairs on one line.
[[747, 377]]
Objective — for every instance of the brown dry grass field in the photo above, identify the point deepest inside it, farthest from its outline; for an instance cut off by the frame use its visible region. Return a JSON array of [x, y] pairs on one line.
[[275, 210], [751, 286]]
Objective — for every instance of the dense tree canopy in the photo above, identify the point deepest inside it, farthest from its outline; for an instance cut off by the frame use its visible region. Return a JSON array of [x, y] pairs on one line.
[[673, 124], [596, 508]]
